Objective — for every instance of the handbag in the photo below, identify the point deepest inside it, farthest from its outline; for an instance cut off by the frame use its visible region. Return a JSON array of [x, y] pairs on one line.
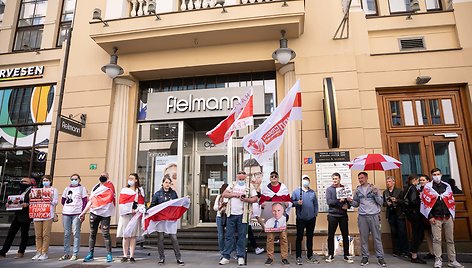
[[223, 219]]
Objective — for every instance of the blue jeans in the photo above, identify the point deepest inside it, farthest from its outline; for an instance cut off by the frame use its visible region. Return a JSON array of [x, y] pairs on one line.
[[233, 223], [71, 225], [221, 234]]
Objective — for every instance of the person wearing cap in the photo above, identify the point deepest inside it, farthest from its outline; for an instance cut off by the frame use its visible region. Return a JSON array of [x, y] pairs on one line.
[[306, 204]]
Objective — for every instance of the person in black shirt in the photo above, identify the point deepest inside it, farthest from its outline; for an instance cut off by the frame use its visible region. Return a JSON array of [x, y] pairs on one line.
[[412, 208]]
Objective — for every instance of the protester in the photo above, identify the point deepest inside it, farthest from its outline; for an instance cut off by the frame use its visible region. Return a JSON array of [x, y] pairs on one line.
[[102, 207], [165, 194], [368, 199], [42, 226], [437, 204], [21, 221], [306, 204], [74, 200], [276, 192], [241, 194], [393, 201], [131, 201], [412, 206], [427, 225], [220, 208], [337, 215]]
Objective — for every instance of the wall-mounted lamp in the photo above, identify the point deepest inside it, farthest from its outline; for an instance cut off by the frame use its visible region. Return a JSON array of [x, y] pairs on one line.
[[222, 3], [113, 69], [414, 7], [97, 15], [422, 79], [283, 54], [152, 9]]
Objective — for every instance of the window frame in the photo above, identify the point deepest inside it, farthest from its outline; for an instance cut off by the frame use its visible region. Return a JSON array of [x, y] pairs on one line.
[[63, 22], [376, 9], [38, 28]]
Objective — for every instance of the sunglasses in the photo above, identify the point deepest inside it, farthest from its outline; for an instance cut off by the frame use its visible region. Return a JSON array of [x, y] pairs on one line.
[[274, 176], [74, 179], [242, 173]]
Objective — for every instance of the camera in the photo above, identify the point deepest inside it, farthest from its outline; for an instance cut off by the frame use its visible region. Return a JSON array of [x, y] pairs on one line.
[[243, 196]]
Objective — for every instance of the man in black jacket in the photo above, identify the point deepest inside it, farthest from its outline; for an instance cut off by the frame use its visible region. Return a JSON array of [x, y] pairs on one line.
[[20, 221], [396, 217]]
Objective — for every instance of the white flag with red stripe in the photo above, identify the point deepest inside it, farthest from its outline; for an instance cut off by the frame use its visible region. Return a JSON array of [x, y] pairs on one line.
[[163, 217], [240, 117], [128, 197], [103, 199], [267, 138]]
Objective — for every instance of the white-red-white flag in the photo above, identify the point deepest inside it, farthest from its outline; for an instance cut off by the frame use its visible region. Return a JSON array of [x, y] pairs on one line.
[[163, 217], [267, 138], [240, 117]]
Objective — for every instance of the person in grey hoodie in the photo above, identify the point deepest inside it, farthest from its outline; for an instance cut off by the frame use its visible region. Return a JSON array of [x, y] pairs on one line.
[[369, 200]]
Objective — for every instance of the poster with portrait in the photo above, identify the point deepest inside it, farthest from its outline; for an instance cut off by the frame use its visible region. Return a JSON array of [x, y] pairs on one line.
[[275, 217], [15, 202], [166, 164], [343, 192], [40, 203], [41, 195]]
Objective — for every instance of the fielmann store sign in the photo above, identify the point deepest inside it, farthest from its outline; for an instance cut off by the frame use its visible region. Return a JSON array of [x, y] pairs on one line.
[[21, 73], [215, 102]]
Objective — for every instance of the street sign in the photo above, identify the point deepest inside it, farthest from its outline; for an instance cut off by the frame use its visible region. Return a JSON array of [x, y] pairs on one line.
[[41, 157], [70, 126], [93, 166]]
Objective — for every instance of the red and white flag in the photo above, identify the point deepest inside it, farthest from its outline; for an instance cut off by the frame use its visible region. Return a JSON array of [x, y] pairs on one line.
[[240, 117], [103, 199], [163, 217], [429, 197], [128, 197], [267, 138]]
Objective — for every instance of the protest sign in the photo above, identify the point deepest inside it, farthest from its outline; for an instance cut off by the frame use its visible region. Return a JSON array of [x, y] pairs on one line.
[[15, 202]]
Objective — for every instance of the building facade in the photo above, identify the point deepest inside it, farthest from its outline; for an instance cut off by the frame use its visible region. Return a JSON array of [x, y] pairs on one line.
[[395, 76]]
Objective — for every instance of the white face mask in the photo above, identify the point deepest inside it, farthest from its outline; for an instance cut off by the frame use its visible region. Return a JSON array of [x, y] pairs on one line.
[[305, 183], [241, 183], [437, 178], [131, 183]]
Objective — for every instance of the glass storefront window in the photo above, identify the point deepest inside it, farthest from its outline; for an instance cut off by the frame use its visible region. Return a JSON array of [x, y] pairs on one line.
[[446, 159], [411, 159]]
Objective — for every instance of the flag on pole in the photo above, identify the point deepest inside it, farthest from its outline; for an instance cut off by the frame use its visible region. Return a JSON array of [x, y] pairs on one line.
[[163, 217], [268, 137], [240, 117]]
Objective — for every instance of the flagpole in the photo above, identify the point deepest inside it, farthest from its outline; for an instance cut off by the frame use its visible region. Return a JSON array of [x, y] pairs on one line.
[[301, 157], [248, 219]]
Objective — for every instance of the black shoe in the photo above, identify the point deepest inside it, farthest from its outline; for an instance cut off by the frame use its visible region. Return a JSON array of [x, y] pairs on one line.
[[162, 261], [268, 262], [180, 262], [418, 260], [364, 261], [285, 262], [430, 256], [132, 260], [124, 259], [381, 262]]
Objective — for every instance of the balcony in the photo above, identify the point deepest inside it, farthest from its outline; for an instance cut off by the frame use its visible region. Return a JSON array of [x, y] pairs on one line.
[[195, 23]]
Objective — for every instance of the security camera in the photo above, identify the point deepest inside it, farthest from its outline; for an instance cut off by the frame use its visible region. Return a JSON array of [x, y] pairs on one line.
[[414, 6], [97, 14]]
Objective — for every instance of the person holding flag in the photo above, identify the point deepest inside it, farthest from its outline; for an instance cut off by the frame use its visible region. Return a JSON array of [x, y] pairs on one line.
[[437, 205], [102, 206]]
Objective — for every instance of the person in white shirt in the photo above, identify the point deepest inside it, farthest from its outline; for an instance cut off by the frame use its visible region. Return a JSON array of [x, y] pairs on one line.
[[74, 199], [42, 226]]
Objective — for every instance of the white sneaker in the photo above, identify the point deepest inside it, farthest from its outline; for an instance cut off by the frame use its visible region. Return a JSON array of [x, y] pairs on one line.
[[36, 256], [259, 250], [455, 264], [240, 261], [438, 263], [43, 257], [329, 259], [224, 261]]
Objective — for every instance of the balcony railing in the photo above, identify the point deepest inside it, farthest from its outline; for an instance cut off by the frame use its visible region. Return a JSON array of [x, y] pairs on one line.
[[141, 7]]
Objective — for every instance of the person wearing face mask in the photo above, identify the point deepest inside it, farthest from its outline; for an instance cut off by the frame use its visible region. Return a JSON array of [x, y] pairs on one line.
[[337, 215], [412, 208], [102, 206], [21, 221], [240, 195], [131, 201], [424, 179], [165, 194], [437, 204], [74, 200], [306, 204], [42, 226]]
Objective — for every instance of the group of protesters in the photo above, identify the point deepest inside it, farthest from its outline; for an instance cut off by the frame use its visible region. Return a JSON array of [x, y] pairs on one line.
[[427, 204]]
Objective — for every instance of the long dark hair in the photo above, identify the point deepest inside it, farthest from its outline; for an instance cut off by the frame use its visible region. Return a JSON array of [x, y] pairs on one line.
[[135, 175], [411, 178]]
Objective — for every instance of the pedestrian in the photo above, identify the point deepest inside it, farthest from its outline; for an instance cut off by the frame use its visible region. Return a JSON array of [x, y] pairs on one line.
[[393, 201], [337, 215], [21, 221], [42, 226], [74, 200], [276, 191], [240, 194], [306, 204], [131, 201], [165, 194], [412, 208], [437, 204], [369, 201], [102, 207], [427, 225], [220, 208]]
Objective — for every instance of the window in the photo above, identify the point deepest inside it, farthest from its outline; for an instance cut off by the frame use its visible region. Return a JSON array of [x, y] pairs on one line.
[[68, 9], [2, 9], [370, 7], [433, 5], [29, 32], [398, 6]]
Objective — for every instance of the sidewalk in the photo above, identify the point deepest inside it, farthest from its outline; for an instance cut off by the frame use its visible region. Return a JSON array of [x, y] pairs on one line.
[[148, 257]]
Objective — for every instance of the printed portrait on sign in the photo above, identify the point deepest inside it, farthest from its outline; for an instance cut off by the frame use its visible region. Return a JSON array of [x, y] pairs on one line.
[[275, 218]]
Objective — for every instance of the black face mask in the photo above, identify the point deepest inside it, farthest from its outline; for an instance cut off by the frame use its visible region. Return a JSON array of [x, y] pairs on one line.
[[23, 187], [103, 179]]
